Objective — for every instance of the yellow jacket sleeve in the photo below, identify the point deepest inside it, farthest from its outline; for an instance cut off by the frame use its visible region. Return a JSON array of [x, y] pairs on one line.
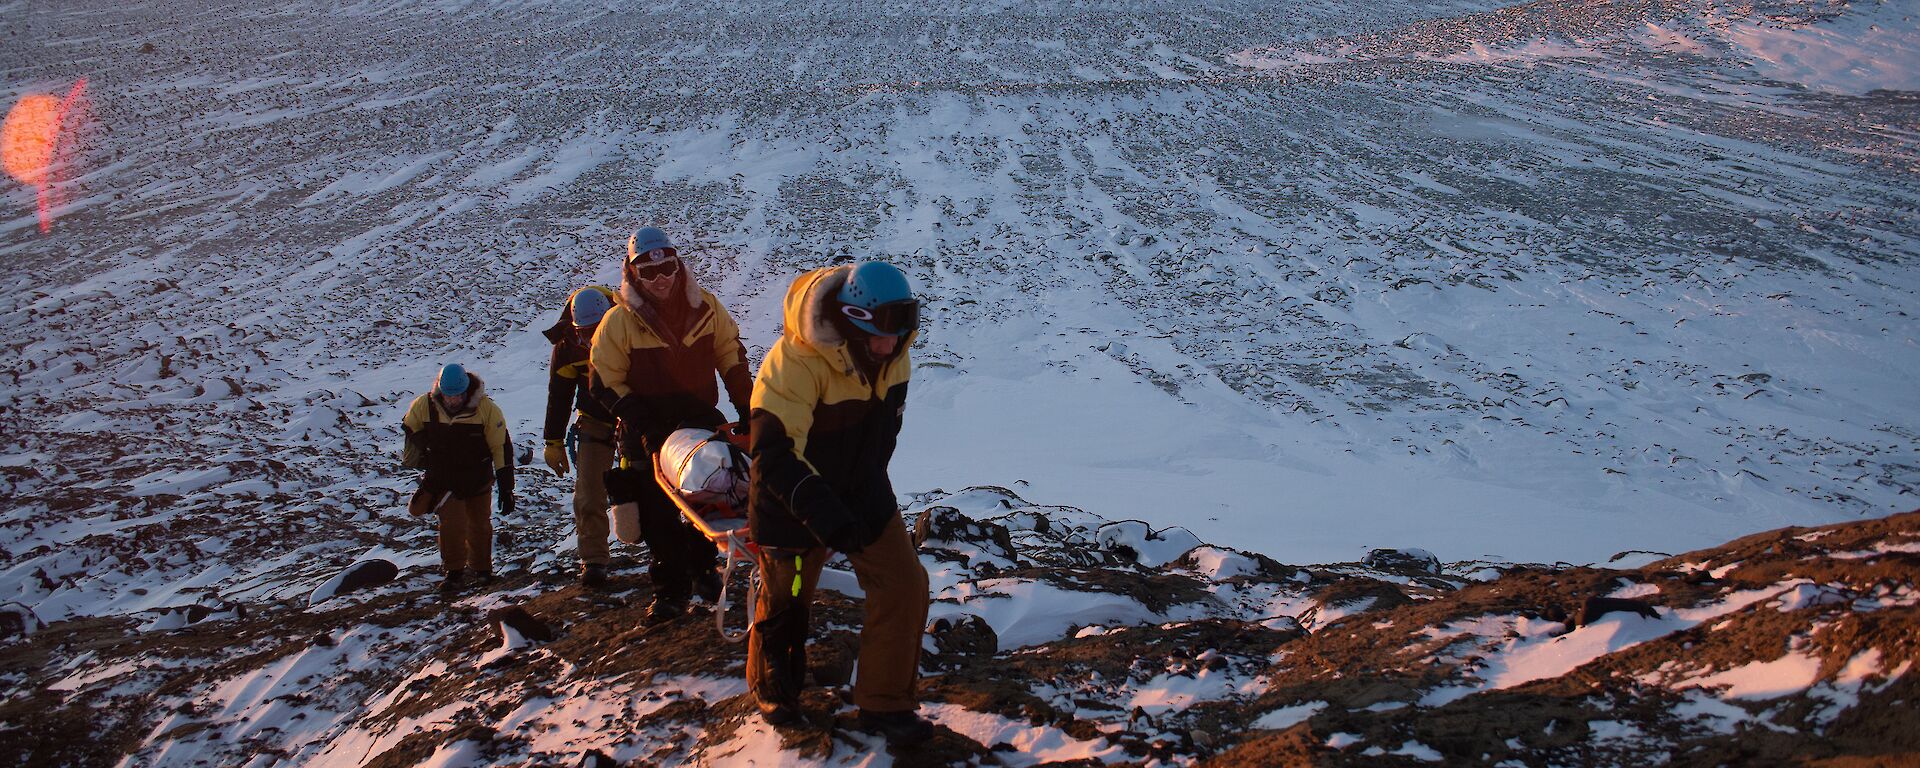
[[727, 351], [496, 431], [787, 389], [417, 414], [610, 345]]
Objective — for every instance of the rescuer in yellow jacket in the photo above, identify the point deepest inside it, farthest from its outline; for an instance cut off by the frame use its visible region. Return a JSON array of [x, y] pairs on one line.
[[827, 410], [461, 437], [654, 360]]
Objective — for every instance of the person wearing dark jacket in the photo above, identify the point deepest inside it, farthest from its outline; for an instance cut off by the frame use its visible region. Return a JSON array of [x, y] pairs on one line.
[[654, 360], [827, 410], [590, 440], [462, 436]]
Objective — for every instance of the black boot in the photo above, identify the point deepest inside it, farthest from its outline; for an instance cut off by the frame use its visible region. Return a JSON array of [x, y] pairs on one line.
[[593, 575], [777, 712], [896, 727], [665, 608], [451, 583], [707, 586]]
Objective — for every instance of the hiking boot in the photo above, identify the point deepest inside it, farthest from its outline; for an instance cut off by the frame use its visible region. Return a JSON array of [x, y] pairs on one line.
[[451, 583], [707, 586], [485, 578], [896, 727], [593, 575], [664, 609], [776, 712]]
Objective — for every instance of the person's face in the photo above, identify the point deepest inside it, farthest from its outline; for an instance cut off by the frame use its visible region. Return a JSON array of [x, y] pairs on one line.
[[454, 402], [656, 277], [881, 347], [585, 335]]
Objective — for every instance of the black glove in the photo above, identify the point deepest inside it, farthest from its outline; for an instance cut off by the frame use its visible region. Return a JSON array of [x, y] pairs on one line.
[[503, 481], [628, 408], [623, 485], [849, 539], [708, 419], [821, 511]]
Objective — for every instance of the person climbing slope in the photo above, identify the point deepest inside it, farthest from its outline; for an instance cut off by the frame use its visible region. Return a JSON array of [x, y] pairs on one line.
[[827, 410], [588, 443], [653, 364], [461, 439]]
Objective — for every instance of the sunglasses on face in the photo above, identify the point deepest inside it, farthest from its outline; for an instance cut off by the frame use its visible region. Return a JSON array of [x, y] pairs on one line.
[[654, 269], [896, 318]]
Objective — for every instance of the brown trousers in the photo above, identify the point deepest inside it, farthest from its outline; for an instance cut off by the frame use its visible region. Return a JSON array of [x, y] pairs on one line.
[[594, 457], [466, 533], [890, 572]]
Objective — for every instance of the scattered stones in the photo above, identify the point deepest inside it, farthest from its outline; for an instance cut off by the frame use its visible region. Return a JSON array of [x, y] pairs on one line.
[[1409, 561], [17, 621], [1597, 607], [1349, 596], [365, 574], [947, 525], [1136, 541], [961, 637], [521, 621], [831, 659]]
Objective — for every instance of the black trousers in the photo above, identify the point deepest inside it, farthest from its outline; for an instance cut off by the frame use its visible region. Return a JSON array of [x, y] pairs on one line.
[[680, 553]]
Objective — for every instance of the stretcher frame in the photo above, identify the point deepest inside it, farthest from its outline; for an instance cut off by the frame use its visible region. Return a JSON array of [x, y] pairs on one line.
[[725, 528]]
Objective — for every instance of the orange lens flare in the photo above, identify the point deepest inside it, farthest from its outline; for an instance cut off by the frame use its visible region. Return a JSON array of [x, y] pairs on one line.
[[28, 136], [36, 139]]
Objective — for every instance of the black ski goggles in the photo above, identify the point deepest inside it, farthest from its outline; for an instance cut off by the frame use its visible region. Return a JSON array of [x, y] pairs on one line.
[[894, 318], [649, 270]]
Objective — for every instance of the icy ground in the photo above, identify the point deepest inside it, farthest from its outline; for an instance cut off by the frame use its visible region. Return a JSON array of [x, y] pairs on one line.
[[1060, 638], [1535, 283]]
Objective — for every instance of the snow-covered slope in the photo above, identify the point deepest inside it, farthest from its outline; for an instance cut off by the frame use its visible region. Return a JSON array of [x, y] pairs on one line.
[[1538, 283]]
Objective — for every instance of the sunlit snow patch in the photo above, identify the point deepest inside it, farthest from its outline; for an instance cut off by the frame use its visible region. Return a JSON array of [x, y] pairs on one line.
[[1033, 744]]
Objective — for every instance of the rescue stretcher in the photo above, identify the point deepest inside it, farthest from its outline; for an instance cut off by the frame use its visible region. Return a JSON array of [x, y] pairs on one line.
[[719, 516]]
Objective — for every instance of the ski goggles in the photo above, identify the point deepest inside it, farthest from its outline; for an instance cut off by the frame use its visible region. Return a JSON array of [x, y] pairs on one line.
[[894, 318], [652, 270]]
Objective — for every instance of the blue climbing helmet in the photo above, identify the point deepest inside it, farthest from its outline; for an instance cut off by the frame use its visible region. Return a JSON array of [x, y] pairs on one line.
[[877, 299], [589, 305], [452, 381], [650, 244]]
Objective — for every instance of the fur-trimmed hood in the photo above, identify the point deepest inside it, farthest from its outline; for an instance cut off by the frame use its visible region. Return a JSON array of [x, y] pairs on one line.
[[476, 394], [809, 309], [632, 297]]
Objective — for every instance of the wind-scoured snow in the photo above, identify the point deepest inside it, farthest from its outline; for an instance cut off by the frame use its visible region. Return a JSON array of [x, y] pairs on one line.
[[1457, 285], [1535, 282]]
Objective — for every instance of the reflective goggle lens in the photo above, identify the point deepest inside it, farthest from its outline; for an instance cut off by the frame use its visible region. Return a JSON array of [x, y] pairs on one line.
[[897, 318], [656, 269]]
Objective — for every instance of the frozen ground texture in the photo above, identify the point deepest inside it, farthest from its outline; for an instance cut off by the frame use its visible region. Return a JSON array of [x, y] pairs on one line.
[[1512, 284], [1787, 647], [1538, 283]]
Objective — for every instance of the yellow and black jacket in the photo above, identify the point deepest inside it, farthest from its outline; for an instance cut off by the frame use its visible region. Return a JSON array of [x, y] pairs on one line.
[[462, 448], [567, 382], [821, 419], [654, 369]]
